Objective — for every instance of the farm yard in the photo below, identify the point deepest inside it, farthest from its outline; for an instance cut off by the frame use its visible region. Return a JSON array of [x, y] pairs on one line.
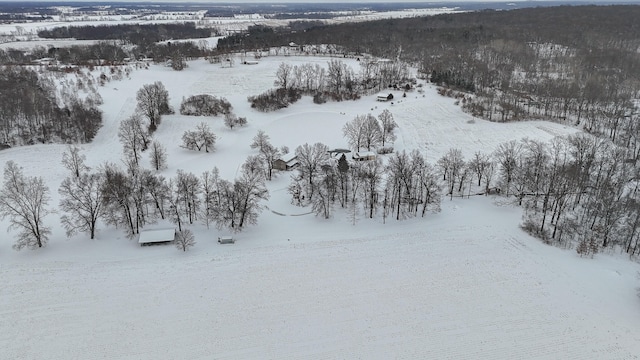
[[464, 283]]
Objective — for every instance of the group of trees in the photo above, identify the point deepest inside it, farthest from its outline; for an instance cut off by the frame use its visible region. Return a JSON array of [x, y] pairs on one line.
[[575, 191], [407, 186], [274, 99], [369, 132], [136, 131], [30, 111], [205, 105], [337, 81]]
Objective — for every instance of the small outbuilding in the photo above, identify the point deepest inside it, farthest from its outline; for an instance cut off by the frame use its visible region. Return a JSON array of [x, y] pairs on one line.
[[226, 239], [286, 162], [156, 236], [384, 97]]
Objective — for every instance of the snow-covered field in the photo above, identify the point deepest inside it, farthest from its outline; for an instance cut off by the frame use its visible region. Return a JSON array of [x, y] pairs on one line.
[[27, 31], [462, 284]]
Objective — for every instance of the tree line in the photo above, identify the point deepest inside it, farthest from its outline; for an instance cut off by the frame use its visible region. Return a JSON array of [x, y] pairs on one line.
[[576, 191], [136, 34]]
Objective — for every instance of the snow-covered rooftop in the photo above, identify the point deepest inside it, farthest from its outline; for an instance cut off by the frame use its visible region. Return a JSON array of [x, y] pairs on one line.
[[156, 236]]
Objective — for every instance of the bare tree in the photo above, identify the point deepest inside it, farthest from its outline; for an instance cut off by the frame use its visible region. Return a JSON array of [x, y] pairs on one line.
[[206, 136], [388, 127], [453, 165], [82, 202], [210, 200], [201, 138], [354, 131], [185, 239], [187, 191], [269, 154], [117, 193], [190, 140], [372, 134], [478, 164], [73, 160], [158, 156], [231, 120], [24, 201], [134, 138], [153, 102], [372, 175], [508, 158], [250, 189], [237, 204], [283, 76], [260, 140], [311, 157]]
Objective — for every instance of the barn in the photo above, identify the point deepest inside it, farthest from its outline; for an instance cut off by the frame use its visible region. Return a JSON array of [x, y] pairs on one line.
[[286, 162], [384, 97], [156, 236]]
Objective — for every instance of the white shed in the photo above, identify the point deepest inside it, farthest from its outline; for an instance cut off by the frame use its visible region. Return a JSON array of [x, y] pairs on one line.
[[156, 236], [226, 239]]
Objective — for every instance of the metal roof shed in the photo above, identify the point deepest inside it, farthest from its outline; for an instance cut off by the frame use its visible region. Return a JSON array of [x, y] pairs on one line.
[[156, 236]]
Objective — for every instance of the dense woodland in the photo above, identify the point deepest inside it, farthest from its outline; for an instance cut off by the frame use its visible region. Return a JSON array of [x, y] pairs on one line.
[[33, 111]]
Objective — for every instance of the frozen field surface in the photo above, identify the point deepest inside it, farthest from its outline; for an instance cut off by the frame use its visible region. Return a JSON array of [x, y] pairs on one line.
[[456, 289]]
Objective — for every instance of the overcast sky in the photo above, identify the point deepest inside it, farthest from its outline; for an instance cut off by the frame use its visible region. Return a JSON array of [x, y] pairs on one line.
[[321, 1], [278, 1]]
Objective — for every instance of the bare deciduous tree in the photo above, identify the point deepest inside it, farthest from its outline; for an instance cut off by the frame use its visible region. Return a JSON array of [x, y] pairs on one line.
[[24, 201], [310, 158], [82, 202], [260, 140], [388, 127], [73, 160], [284, 75], [231, 120], [153, 102], [158, 156], [134, 138], [201, 138], [184, 239]]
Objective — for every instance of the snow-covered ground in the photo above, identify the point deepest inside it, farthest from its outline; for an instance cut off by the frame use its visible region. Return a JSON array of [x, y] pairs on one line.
[[462, 284]]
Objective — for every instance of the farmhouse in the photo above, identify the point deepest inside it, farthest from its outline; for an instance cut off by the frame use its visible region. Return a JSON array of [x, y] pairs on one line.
[[286, 162], [384, 97], [156, 236], [363, 155]]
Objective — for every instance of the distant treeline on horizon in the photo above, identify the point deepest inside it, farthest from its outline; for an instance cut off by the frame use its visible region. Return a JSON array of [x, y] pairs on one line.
[[230, 8]]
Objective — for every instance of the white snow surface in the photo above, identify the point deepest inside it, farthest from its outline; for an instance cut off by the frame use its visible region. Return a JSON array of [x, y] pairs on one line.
[[465, 283]]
